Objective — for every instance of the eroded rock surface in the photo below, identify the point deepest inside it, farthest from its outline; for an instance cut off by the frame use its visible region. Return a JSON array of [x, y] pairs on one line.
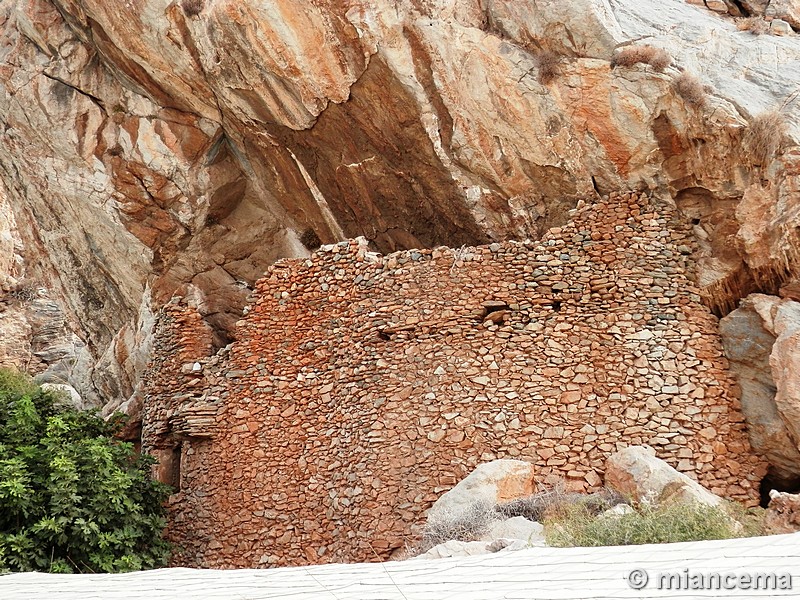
[[783, 513], [762, 341], [164, 149]]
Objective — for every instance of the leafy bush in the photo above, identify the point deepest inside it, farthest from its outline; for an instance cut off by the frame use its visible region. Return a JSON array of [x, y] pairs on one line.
[[648, 524], [72, 499]]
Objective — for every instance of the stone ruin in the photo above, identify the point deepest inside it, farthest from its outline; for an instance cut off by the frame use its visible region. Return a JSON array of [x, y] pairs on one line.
[[361, 387]]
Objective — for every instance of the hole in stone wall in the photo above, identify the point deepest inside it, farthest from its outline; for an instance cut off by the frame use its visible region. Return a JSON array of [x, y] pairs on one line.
[[173, 469], [495, 311], [556, 305], [781, 484], [695, 221]]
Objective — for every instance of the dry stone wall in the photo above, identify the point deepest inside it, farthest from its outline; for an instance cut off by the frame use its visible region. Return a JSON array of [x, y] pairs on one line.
[[363, 386]]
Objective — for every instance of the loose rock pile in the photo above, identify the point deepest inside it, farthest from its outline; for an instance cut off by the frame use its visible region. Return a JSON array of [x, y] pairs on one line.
[[493, 509], [362, 386]]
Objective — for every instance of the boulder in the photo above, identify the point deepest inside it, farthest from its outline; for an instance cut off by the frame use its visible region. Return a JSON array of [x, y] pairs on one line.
[[780, 27], [489, 484], [67, 393], [783, 513], [784, 361], [637, 473], [617, 511], [787, 10], [455, 548], [517, 528]]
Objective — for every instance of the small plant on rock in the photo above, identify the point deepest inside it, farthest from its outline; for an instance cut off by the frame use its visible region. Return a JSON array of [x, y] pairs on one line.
[[310, 239], [465, 525], [192, 8], [755, 25], [554, 501], [25, 291], [549, 65], [690, 89], [763, 137], [631, 55]]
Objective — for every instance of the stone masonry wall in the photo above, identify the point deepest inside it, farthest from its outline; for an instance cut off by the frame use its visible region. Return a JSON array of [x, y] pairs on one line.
[[362, 386]]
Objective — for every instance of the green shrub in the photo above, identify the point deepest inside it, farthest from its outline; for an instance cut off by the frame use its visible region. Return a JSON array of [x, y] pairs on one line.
[[72, 498], [675, 522]]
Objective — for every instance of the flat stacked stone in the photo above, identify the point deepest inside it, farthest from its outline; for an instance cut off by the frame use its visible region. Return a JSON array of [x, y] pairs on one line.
[[362, 386]]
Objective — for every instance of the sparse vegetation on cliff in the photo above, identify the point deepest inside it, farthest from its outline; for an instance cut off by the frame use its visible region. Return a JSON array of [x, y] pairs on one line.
[[25, 291], [192, 8], [549, 65], [657, 58], [756, 25], [763, 137], [72, 498], [690, 89]]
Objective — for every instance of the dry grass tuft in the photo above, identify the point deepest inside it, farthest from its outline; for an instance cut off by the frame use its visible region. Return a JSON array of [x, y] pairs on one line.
[[549, 65], [192, 8], [543, 504], [310, 239], [763, 137], [690, 89], [466, 525], [655, 57], [755, 25], [25, 292]]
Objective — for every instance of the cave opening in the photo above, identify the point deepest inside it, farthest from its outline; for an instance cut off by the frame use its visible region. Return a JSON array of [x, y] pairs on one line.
[[773, 481]]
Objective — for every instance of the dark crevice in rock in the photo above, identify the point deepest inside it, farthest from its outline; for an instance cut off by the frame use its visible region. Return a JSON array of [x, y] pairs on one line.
[[739, 6], [773, 481], [99, 102]]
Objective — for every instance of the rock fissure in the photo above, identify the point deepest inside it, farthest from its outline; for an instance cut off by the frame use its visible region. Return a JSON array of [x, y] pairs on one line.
[[94, 99]]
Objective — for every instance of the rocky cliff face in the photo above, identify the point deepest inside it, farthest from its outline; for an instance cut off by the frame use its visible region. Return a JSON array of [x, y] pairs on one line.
[[762, 340], [171, 146]]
